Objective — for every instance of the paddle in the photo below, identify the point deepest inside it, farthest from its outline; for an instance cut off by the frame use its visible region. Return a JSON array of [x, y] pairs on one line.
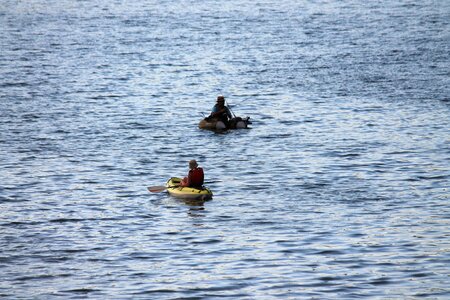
[[156, 188], [229, 107], [159, 188]]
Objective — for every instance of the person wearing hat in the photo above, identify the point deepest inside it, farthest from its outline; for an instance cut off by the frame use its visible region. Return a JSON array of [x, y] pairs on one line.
[[195, 177], [220, 111]]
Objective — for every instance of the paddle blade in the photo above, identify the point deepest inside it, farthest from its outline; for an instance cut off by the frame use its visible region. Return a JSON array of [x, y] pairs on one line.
[[156, 189]]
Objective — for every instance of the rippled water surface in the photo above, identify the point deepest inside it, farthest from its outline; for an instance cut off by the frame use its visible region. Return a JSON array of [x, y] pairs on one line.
[[339, 190]]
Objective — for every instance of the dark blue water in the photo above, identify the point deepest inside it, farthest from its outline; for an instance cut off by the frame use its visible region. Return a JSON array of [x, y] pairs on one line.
[[340, 190]]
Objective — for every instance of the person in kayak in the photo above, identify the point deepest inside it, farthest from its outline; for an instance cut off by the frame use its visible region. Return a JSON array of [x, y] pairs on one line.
[[220, 111], [195, 177]]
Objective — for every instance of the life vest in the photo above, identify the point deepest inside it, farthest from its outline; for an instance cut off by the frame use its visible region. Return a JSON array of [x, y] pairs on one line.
[[196, 177]]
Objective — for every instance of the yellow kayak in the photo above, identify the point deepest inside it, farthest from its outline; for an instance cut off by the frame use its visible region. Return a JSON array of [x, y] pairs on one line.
[[174, 189]]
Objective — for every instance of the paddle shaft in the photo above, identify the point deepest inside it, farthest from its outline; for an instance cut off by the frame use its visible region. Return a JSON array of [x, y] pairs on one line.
[[159, 188], [229, 107]]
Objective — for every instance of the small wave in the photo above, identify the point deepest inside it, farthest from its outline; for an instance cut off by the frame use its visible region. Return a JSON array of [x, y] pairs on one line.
[[42, 277], [14, 84], [381, 281], [432, 177], [330, 252], [81, 291], [208, 241]]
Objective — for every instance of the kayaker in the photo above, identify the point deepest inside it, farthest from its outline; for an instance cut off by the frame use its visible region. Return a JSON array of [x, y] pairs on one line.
[[220, 111], [195, 177]]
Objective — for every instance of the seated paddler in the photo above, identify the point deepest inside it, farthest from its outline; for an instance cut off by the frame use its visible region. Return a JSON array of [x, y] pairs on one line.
[[220, 111], [195, 176]]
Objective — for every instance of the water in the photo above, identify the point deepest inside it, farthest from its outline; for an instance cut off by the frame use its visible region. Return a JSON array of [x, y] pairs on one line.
[[340, 189]]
